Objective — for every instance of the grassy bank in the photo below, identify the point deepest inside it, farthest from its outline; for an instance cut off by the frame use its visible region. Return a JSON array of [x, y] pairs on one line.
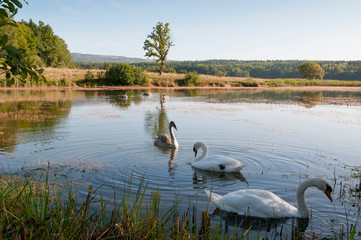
[[75, 77]]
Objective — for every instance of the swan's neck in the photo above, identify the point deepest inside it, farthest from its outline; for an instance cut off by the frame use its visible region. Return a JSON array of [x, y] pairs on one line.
[[172, 136], [204, 153], [300, 198]]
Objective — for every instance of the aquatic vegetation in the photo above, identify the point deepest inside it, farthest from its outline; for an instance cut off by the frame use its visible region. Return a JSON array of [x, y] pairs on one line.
[[44, 209], [39, 207]]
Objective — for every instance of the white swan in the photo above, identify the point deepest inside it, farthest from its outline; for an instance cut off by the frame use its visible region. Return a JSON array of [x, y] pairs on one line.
[[217, 163], [167, 141], [147, 94], [265, 204]]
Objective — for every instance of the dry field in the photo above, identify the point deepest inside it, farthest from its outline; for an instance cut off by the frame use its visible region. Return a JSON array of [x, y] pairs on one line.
[[171, 80], [57, 74]]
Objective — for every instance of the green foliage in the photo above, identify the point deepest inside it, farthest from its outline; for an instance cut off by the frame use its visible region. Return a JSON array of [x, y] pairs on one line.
[[157, 69], [158, 44], [89, 76], [250, 83], [311, 70], [14, 62], [140, 77], [191, 79], [125, 75], [52, 50], [341, 70]]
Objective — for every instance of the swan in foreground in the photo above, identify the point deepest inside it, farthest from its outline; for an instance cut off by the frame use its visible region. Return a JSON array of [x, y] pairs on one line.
[[167, 141], [265, 204], [217, 163]]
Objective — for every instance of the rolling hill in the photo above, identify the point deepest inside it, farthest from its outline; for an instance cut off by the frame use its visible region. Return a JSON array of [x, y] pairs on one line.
[[93, 58]]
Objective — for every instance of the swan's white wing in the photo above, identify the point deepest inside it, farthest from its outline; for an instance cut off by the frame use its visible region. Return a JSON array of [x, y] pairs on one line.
[[219, 163], [256, 203]]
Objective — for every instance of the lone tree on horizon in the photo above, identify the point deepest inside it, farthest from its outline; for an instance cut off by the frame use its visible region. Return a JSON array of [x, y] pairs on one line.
[[158, 44], [311, 70]]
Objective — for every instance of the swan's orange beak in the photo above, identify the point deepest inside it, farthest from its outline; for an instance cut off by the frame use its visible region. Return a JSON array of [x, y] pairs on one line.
[[195, 152], [328, 194]]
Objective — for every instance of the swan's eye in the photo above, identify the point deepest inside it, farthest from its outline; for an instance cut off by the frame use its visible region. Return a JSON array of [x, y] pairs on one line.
[[328, 188]]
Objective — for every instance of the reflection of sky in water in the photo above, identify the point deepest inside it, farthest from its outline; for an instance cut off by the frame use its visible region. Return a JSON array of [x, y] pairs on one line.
[[102, 140]]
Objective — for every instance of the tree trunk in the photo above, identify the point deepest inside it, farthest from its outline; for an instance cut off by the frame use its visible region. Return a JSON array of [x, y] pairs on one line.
[[161, 67]]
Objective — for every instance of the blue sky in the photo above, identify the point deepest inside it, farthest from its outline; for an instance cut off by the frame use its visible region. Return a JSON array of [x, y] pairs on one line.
[[207, 29]]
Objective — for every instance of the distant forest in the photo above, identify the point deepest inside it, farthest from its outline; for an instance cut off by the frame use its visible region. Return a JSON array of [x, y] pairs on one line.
[[337, 70]]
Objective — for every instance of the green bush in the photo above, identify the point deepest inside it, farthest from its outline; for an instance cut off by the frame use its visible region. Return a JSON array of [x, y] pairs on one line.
[[191, 79], [140, 77], [249, 83], [125, 75], [89, 76]]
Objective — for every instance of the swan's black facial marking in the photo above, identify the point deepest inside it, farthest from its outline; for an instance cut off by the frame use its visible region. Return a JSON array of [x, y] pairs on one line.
[[195, 152], [328, 192], [222, 167]]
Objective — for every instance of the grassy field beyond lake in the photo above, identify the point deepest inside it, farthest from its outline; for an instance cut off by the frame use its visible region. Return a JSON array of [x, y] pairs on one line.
[[77, 78]]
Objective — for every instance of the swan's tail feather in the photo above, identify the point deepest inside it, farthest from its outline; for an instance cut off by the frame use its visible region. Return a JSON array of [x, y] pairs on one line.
[[214, 196], [241, 167]]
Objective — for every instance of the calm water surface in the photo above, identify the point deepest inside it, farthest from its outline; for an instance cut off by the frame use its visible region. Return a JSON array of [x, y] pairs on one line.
[[284, 137]]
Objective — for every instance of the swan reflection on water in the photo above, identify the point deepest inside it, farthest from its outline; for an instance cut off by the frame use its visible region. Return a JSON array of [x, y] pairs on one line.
[[230, 220], [172, 166], [201, 177]]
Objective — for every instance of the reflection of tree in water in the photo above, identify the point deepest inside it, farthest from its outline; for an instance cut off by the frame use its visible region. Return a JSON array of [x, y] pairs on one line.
[[157, 123], [310, 98], [274, 226], [23, 116], [191, 93]]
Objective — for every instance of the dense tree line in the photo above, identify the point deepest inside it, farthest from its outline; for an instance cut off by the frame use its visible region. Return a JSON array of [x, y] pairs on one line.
[[338, 70], [42, 47]]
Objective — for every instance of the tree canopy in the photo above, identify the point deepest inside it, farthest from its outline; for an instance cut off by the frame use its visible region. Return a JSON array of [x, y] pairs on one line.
[[158, 44], [311, 70]]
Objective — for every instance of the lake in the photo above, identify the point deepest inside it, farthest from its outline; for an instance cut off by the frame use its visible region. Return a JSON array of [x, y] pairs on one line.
[[283, 136]]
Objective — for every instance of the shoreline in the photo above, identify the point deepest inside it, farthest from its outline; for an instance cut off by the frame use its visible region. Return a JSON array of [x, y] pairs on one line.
[[113, 88]]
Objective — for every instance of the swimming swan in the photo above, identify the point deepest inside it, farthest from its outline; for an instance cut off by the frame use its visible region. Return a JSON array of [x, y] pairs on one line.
[[165, 98], [123, 96], [217, 163], [265, 204], [167, 141]]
